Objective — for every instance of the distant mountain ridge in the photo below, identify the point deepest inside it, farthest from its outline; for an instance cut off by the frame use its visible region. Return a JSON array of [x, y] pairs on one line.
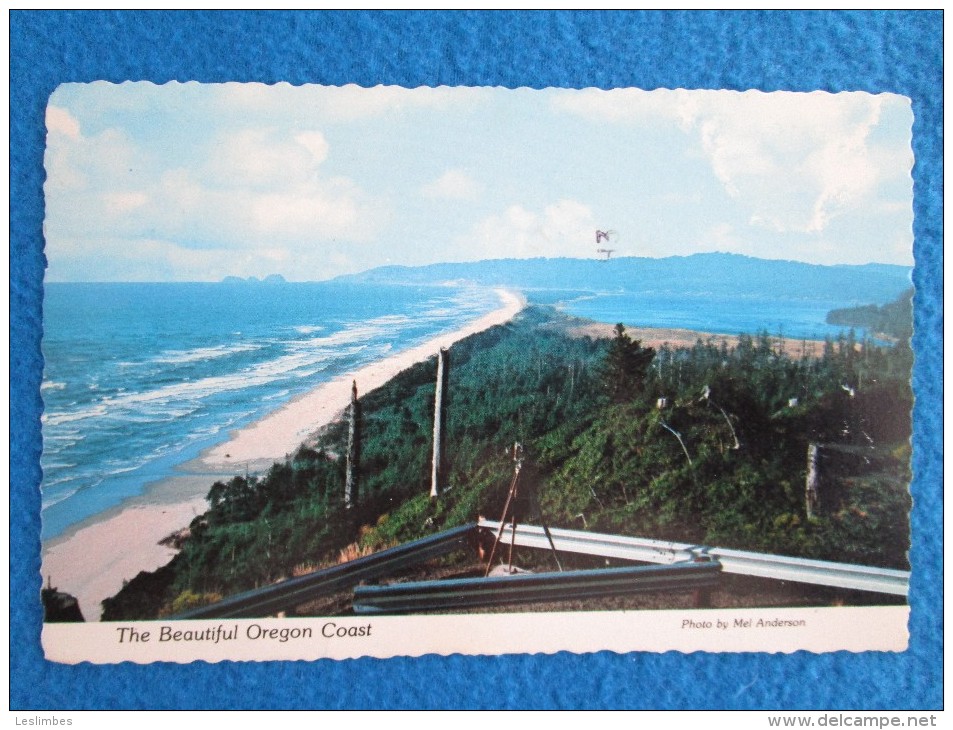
[[714, 273]]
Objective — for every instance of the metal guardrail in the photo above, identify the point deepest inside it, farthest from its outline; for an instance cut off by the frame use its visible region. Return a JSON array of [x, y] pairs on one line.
[[286, 595], [815, 572], [473, 592], [437, 595], [761, 565]]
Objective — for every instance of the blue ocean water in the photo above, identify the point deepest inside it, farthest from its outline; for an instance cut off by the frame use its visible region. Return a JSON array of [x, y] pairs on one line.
[[140, 378]]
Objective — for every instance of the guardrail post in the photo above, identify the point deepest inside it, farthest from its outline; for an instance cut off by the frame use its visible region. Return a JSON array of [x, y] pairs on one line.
[[702, 596]]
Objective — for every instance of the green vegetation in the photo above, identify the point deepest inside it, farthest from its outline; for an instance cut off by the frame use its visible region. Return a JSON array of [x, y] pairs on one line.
[[706, 444], [891, 320], [625, 367]]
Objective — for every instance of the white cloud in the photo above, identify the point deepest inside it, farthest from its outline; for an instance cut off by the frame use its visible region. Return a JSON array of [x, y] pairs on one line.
[[75, 161], [453, 185], [624, 105], [564, 228], [263, 159], [295, 213], [257, 191], [795, 161], [354, 102], [119, 203], [307, 207], [336, 103], [315, 143], [255, 175], [60, 121], [346, 103]]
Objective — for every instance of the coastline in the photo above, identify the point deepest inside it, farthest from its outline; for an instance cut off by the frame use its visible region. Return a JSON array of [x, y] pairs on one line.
[[281, 432], [92, 559]]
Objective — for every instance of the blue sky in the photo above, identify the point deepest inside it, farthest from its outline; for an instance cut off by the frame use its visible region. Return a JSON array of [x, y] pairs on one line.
[[193, 182]]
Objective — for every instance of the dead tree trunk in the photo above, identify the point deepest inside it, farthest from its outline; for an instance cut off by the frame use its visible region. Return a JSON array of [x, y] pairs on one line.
[[438, 473], [353, 450], [811, 500], [677, 435]]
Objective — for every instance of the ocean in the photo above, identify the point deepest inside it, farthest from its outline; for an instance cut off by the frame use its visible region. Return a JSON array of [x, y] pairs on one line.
[[141, 378]]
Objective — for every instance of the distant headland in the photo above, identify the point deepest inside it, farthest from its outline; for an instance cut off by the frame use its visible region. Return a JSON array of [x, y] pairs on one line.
[[271, 279]]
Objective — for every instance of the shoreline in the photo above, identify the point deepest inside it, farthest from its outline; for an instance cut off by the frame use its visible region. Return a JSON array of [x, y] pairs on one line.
[[282, 431], [84, 561], [93, 559]]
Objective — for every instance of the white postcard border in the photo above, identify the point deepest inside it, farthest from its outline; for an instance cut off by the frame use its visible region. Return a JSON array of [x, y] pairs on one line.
[[772, 630]]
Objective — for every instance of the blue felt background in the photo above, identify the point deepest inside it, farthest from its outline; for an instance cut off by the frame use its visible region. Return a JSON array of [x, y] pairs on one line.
[[876, 52]]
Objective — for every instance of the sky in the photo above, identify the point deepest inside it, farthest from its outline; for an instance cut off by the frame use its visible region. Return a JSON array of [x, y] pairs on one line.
[[195, 182]]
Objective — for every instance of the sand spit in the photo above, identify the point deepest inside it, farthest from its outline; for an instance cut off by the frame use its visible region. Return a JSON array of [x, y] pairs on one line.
[[673, 337]]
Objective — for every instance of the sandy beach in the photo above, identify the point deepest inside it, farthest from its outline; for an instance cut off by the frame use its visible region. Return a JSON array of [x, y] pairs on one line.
[[282, 431], [92, 559]]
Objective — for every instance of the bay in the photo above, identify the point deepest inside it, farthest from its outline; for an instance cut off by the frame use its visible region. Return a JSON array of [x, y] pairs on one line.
[[801, 318]]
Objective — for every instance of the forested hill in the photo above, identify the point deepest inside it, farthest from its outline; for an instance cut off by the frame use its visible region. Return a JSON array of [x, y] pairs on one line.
[[716, 273], [894, 319]]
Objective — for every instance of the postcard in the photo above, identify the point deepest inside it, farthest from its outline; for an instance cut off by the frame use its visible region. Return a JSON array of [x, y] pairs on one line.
[[335, 372]]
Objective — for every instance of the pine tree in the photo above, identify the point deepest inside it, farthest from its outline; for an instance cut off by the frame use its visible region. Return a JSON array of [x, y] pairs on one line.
[[625, 367]]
